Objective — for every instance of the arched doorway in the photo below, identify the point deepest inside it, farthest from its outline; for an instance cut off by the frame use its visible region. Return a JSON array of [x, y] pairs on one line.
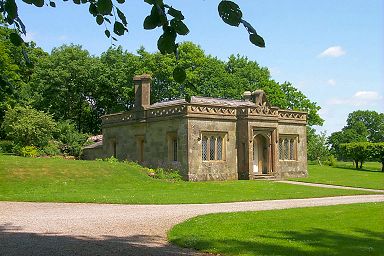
[[260, 155]]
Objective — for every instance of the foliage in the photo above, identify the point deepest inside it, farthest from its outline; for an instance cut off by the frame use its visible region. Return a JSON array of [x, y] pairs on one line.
[[28, 151], [161, 15], [6, 146], [164, 174], [28, 127], [362, 126], [52, 148], [356, 151], [317, 148], [100, 182], [74, 86], [354, 230], [377, 153], [71, 141]]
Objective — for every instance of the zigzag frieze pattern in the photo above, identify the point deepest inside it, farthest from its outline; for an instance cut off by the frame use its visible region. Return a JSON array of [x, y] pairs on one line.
[[292, 115], [119, 118], [170, 111], [212, 110], [263, 110]]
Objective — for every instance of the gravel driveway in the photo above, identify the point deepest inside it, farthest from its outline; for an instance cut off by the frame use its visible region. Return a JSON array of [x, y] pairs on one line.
[[107, 229]]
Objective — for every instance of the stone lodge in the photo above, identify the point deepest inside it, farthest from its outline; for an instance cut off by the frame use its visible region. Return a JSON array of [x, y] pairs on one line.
[[207, 138]]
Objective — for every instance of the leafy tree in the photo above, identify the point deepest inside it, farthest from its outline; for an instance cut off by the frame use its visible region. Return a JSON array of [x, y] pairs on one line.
[[362, 126], [356, 151], [63, 86], [369, 123], [377, 153], [317, 148], [28, 127], [161, 15]]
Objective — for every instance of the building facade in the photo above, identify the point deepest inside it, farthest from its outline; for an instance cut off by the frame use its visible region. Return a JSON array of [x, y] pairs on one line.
[[207, 138]]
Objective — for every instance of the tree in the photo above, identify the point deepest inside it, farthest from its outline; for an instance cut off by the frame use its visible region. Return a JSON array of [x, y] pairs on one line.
[[161, 15], [28, 127], [356, 151], [369, 123], [377, 153], [362, 126], [317, 148], [63, 86]]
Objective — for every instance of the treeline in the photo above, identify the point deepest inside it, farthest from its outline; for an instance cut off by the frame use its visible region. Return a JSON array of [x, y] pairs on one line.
[[74, 87], [361, 140]]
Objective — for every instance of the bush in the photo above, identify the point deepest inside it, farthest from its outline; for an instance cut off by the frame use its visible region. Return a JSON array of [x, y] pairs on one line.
[[27, 126], [52, 148], [28, 151], [72, 140], [164, 174], [6, 146], [332, 160]]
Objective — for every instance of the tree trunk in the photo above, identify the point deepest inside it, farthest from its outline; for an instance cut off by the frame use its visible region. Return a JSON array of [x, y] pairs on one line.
[[357, 164], [361, 164], [382, 166]]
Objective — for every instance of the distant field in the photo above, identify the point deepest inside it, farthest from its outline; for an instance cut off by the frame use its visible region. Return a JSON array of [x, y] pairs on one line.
[[353, 230], [345, 174], [59, 180]]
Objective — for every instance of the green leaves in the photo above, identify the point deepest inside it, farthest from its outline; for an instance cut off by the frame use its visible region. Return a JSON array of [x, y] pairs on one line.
[[257, 40], [99, 19], [104, 6], [118, 28], [179, 74], [179, 27], [230, 13], [16, 39]]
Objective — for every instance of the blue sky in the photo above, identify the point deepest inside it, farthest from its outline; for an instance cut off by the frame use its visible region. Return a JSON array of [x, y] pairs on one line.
[[331, 50]]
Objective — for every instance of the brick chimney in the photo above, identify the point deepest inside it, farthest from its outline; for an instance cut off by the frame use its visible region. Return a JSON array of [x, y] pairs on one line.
[[142, 91]]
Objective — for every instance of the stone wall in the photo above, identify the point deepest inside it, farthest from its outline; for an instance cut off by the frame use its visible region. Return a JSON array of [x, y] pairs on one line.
[[200, 170], [298, 167], [125, 141]]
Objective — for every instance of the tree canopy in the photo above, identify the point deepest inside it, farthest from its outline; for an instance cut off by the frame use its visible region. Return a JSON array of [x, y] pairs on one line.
[[162, 15]]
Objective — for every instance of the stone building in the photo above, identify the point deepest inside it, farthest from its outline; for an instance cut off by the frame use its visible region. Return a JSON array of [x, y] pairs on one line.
[[207, 138]]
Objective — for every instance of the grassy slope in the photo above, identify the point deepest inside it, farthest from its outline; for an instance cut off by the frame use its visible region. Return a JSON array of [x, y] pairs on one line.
[[344, 174], [356, 229], [58, 180]]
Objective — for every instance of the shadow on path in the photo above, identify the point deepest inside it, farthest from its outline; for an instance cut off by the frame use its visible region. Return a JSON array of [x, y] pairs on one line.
[[13, 241]]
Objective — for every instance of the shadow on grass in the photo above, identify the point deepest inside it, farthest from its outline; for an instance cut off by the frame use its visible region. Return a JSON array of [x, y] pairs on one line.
[[358, 170], [13, 241], [319, 242]]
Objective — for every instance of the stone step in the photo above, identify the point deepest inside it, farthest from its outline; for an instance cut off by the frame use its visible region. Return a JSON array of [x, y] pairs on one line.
[[264, 177]]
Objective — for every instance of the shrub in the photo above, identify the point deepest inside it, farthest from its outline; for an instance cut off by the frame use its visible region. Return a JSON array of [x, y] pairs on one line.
[[332, 160], [6, 146], [27, 126], [164, 174], [72, 140], [28, 151], [52, 148]]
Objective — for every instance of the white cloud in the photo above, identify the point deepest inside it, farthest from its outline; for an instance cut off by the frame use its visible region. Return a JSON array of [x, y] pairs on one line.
[[367, 95], [331, 82], [360, 98], [333, 51]]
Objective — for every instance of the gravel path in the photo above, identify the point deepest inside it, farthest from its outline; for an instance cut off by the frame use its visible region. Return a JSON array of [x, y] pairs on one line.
[[329, 186], [107, 229]]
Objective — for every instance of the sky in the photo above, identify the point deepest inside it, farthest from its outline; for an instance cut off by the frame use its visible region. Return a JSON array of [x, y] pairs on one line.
[[333, 51]]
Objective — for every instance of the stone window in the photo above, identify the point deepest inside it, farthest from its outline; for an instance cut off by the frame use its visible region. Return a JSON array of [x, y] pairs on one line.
[[213, 147], [172, 147], [288, 148]]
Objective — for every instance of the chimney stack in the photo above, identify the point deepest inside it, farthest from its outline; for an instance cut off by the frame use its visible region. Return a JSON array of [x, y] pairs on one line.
[[142, 91]]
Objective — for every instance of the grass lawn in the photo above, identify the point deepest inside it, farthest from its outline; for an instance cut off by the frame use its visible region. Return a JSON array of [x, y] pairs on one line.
[[60, 180], [355, 229], [344, 174]]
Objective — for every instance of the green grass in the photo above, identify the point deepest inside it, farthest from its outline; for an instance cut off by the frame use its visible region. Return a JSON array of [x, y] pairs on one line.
[[344, 174], [356, 229], [60, 180]]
